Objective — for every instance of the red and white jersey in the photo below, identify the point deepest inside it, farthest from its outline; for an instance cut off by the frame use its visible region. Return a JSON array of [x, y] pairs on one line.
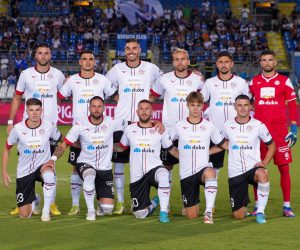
[[84, 89], [43, 86], [175, 90], [221, 96], [244, 144], [33, 145], [193, 144], [145, 145], [134, 85], [270, 95], [96, 142]]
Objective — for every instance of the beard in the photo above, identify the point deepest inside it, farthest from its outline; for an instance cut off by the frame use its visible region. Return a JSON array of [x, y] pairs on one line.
[[144, 120], [268, 70], [96, 116]]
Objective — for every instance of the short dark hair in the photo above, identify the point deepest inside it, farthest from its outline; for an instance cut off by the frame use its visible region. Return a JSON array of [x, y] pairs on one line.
[[132, 40], [42, 45], [145, 101], [195, 96], [86, 52], [33, 101], [242, 97], [97, 98], [225, 53], [267, 52]]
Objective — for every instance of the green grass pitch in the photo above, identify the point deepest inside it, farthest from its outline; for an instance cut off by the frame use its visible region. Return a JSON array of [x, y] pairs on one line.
[[126, 232]]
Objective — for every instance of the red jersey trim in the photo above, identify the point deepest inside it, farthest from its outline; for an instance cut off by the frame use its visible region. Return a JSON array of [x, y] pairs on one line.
[[68, 142], [8, 146], [19, 92], [123, 146], [154, 93], [60, 96]]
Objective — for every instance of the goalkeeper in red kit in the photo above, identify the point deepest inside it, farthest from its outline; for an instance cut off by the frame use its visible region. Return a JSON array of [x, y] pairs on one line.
[[271, 91]]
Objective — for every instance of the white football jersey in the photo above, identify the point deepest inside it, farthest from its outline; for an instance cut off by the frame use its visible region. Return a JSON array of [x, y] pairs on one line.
[[175, 90], [134, 85], [33, 145], [193, 144], [145, 145], [96, 142], [43, 86], [244, 144], [221, 96], [84, 89]]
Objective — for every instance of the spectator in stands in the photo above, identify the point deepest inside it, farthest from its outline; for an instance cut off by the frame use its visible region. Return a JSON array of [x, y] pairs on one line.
[[177, 13], [245, 14], [109, 12]]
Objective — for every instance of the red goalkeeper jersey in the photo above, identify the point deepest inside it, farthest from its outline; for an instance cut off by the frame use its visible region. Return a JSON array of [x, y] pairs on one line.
[[271, 95]]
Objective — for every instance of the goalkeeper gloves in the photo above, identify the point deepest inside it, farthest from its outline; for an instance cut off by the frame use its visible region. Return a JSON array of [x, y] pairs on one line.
[[291, 137]]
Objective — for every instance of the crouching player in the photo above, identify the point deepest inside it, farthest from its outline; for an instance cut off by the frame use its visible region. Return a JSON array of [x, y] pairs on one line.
[[33, 139], [146, 167], [244, 163], [194, 134], [94, 162]]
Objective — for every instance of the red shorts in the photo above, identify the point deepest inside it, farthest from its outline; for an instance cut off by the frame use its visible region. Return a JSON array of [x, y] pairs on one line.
[[283, 154]]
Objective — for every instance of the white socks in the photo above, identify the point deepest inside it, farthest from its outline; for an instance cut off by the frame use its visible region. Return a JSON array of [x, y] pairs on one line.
[[162, 177], [89, 192], [119, 181], [263, 190], [48, 190], [76, 184], [210, 191]]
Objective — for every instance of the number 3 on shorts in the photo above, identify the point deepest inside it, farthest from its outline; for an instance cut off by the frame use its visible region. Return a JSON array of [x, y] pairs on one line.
[[20, 198]]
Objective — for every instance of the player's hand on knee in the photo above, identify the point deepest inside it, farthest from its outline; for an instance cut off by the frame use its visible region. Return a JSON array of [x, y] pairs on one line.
[[291, 137], [260, 164], [6, 179]]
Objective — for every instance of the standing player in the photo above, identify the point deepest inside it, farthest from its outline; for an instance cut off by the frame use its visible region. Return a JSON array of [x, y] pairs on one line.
[[33, 138], [220, 91], [83, 86], [271, 91], [194, 135], [94, 166], [41, 82], [244, 163], [133, 79], [175, 87], [146, 168]]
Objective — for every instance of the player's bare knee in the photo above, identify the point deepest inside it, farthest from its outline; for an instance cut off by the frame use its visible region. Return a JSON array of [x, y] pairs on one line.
[[141, 214], [192, 212], [262, 175], [209, 173], [74, 170], [25, 213]]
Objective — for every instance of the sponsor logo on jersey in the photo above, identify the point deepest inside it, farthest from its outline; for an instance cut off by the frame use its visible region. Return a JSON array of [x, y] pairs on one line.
[[175, 99], [283, 149], [242, 147], [134, 90], [262, 102], [90, 147], [35, 151], [143, 150], [38, 96], [189, 147], [27, 151], [82, 101]]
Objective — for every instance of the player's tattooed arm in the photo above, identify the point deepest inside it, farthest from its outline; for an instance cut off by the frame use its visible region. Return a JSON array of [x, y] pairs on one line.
[[118, 148], [174, 152]]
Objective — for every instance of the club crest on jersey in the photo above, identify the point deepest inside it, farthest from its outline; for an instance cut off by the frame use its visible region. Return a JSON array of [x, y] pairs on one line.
[[152, 131], [41, 131], [50, 76], [189, 82], [249, 128], [95, 81], [141, 71], [202, 128], [277, 82], [233, 84], [103, 127]]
